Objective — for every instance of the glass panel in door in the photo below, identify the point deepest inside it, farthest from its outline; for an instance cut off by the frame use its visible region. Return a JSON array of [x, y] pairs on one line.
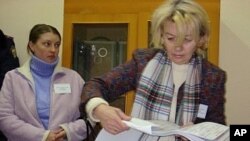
[[97, 48]]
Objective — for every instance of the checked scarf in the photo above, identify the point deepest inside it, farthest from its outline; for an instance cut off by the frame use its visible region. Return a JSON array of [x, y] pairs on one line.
[[155, 91]]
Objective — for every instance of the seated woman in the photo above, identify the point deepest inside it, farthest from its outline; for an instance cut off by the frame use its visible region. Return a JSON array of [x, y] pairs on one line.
[[39, 101]]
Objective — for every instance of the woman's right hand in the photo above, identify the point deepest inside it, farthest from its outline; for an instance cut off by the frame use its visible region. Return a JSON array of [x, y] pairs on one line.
[[51, 136], [111, 118], [56, 135]]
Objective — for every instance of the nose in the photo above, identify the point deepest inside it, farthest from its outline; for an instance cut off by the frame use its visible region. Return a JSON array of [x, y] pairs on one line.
[[178, 47], [53, 49]]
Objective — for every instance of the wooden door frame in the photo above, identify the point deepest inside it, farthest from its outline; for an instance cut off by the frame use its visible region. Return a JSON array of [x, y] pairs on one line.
[[71, 19]]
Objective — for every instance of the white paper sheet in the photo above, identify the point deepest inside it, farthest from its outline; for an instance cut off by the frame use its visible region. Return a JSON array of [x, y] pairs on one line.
[[129, 135]]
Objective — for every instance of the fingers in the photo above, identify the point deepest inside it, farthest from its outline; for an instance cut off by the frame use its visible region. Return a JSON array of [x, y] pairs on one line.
[[56, 135], [112, 130], [123, 115], [58, 131], [51, 136], [114, 125], [111, 119], [61, 134]]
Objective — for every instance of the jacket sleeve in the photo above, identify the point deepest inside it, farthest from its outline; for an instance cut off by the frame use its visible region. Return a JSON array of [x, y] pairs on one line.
[[76, 130], [10, 124], [120, 79]]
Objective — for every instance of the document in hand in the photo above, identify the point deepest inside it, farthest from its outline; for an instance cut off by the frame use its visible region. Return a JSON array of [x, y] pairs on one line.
[[205, 131]]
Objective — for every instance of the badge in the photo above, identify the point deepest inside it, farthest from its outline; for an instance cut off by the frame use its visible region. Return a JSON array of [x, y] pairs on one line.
[[62, 88], [202, 112]]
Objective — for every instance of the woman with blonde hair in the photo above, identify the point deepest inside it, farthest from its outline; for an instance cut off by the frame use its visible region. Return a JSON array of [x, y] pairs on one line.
[[172, 80]]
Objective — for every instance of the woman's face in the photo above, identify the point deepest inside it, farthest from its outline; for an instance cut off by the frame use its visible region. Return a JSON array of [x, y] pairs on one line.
[[182, 53], [46, 47]]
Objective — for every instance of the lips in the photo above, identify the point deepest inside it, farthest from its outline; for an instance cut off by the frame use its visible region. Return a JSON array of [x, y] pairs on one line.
[[177, 55], [51, 56]]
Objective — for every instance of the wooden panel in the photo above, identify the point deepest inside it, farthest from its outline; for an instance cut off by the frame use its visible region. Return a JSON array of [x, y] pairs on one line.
[[109, 6], [141, 7], [213, 9], [71, 19]]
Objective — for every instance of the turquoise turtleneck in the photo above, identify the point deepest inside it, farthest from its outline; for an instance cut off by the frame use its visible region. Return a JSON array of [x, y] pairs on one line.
[[42, 73]]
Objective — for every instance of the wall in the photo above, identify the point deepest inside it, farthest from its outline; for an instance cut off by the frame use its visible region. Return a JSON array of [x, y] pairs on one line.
[[17, 17], [234, 58]]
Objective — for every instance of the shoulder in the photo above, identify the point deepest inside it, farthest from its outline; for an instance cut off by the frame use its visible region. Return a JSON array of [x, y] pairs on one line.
[[15, 76], [68, 70], [208, 67], [12, 72], [212, 73], [70, 73]]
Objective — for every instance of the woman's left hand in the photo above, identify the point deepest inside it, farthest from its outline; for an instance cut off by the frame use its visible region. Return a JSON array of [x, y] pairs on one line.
[[60, 134]]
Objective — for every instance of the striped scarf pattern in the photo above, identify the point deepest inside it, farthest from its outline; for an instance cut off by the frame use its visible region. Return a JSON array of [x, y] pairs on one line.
[[155, 91]]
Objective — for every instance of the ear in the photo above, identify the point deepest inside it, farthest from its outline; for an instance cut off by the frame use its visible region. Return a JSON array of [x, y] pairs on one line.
[[31, 46]]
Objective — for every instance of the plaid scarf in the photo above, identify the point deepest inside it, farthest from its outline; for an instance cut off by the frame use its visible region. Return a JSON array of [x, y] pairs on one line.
[[155, 91]]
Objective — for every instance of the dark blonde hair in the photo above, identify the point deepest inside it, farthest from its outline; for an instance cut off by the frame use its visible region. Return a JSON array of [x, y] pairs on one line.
[[185, 14], [38, 30]]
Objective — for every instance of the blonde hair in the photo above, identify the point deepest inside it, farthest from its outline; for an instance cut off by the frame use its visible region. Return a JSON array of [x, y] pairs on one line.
[[185, 14]]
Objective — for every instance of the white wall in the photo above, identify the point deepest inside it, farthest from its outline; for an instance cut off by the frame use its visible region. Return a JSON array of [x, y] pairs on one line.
[[17, 17], [235, 58]]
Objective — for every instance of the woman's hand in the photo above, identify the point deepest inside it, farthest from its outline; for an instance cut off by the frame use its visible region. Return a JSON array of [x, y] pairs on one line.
[[51, 136], [57, 135], [60, 135], [111, 118]]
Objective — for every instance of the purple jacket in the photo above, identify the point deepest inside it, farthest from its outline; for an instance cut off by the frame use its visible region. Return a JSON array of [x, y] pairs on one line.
[[19, 120], [126, 77]]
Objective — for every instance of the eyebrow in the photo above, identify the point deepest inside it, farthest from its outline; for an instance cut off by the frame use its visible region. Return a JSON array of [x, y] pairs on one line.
[[167, 33]]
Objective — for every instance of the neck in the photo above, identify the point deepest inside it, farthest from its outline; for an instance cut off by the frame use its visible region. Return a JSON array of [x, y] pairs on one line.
[[42, 68]]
